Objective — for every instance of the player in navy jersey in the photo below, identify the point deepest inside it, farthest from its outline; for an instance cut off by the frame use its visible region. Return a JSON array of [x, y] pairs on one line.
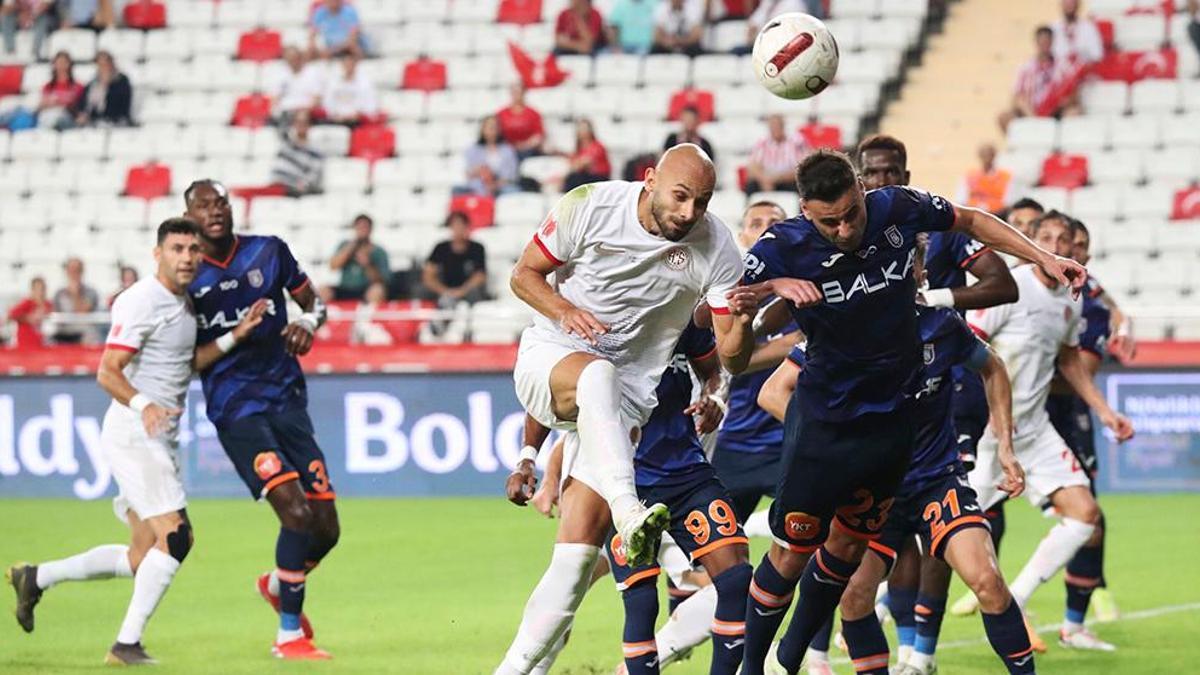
[[846, 266], [257, 399], [923, 581]]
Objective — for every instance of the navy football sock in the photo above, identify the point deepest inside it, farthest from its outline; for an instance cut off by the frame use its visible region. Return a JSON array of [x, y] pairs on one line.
[[821, 586], [867, 644], [900, 603], [820, 641], [767, 603], [1085, 573], [1006, 631], [641, 612], [729, 621], [290, 550], [929, 612]]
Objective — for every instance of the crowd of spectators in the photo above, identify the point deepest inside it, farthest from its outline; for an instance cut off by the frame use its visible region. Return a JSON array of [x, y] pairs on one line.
[[41, 17]]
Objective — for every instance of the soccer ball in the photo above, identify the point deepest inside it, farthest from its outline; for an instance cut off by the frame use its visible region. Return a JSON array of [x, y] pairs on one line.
[[795, 56]]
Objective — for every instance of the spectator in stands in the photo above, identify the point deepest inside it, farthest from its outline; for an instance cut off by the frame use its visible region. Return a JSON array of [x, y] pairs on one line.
[[456, 270], [29, 314], [128, 277], [60, 95], [108, 98], [1193, 29], [1076, 38], [299, 168], [631, 26], [76, 298], [769, 9], [520, 125], [38, 16], [773, 159], [94, 14], [579, 29], [589, 162], [988, 187], [337, 30], [491, 162], [360, 261], [349, 95], [295, 84], [689, 132], [1038, 90], [678, 27]]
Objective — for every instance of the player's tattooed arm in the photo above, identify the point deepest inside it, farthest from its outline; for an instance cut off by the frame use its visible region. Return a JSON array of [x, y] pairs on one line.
[[1000, 236], [298, 335], [995, 286], [211, 352], [777, 390], [998, 390], [522, 481], [111, 378], [1075, 372], [528, 283]]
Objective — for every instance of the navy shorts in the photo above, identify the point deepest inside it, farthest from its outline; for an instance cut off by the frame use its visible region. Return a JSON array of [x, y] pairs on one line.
[[702, 521], [935, 512], [970, 409], [747, 477], [840, 474], [271, 449], [1072, 419]]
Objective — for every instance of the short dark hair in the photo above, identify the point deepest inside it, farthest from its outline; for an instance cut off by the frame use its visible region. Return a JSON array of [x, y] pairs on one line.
[[1053, 214], [191, 189], [1080, 227], [363, 216], [689, 109], [1027, 203], [883, 142], [1043, 30], [825, 175], [456, 214], [177, 226], [765, 202]]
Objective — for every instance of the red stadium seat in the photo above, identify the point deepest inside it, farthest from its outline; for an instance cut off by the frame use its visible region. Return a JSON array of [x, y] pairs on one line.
[[699, 99], [372, 142], [338, 332], [480, 210], [520, 12], [1065, 171], [145, 14], [252, 110], [10, 79], [424, 74], [1186, 205], [148, 181], [260, 45], [817, 135]]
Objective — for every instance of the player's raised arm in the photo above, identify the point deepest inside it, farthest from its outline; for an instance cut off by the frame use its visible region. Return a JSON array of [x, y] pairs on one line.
[[995, 286], [1076, 373], [211, 352], [999, 235]]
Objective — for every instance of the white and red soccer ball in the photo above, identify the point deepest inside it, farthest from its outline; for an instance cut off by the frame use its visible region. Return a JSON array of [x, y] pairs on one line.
[[795, 56]]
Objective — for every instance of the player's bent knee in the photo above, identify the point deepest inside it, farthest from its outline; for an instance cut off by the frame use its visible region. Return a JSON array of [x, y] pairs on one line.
[[597, 381], [180, 541], [991, 591], [296, 515]]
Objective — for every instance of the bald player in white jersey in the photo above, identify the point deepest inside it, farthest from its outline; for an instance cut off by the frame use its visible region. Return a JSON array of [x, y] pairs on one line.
[[1030, 335], [147, 364], [631, 261]]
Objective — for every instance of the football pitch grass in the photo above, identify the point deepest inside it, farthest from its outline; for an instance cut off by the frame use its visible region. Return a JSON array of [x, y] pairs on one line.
[[437, 586]]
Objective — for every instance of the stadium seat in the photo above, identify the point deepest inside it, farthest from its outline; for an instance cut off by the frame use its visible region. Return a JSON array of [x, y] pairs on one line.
[[709, 69], [728, 206], [372, 142], [10, 79], [818, 135], [252, 110], [520, 12], [424, 75], [192, 14], [1176, 165], [78, 144], [171, 44], [344, 175], [1095, 202], [620, 70], [148, 181], [1182, 129], [1116, 167], [699, 99], [145, 14], [1051, 197], [125, 45], [1099, 98], [34, 144], [1064, 170], [1138, 131], [1139, 33], [725, 36], [1154, 96], [471, 72], [519, 210], [480, 210], [1149, 202], [80, 43], [1032, 133], [1185, 204], [854, 9], [226, 142], [666, 69], [260, 44], [1083, 133], [99, 178]]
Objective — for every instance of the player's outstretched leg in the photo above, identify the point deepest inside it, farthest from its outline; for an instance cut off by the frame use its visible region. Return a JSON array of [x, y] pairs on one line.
[[30, 581], [1085, 573], [291, 551], [1080, 516], [323, 538], [172, 541]]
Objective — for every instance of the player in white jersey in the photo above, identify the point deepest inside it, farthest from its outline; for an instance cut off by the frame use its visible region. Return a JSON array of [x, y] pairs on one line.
[[1029, 335], [631, 261], [147, 363]]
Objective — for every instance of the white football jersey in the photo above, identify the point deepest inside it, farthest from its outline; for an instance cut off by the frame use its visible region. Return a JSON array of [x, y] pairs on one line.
[[643, 287], [160, 328], [1027, 334]]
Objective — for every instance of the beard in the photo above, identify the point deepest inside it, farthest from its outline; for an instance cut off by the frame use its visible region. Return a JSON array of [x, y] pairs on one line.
[[668, 228]]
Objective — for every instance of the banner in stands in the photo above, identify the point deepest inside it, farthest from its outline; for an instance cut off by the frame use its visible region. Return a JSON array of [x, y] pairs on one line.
[[451, 434]]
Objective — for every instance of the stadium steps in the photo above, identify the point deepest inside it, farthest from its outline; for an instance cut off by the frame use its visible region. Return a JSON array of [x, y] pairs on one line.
[[949, 102]]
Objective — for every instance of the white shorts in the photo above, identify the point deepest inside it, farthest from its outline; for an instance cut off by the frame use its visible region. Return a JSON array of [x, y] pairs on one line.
[[1049, 466], [146, 469]]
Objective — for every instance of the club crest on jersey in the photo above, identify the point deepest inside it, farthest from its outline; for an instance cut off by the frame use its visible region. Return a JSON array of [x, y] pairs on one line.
[[929, 353], [549, 226], [800, 525], [894, 237], [255, 278], [618, 550], [676, 258], [267, 464]]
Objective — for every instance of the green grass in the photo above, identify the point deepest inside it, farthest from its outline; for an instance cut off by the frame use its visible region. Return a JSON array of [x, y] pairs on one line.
[[437, 586]]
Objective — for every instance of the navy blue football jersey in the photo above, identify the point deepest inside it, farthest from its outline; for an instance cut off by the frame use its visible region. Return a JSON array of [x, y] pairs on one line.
[[258, 376], [747, 427], [1096, 318], [863, 352], [948, 256], [946, 342], [670, 449]]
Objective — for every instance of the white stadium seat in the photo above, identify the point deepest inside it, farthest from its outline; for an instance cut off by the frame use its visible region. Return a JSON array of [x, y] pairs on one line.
[[124, 45], [346, 175], [1182, 129], [1104, 98], [1076, 134], [173, 44], [332, 141], [77, 144], [1116, 168], [851, 9], [1139, 32], [711, 69], [666, 69], [1033, 133], [520, 210], [620, 70], [1154, 96], [80, 43], [1175, 165], [1139, 131], [34, 144]]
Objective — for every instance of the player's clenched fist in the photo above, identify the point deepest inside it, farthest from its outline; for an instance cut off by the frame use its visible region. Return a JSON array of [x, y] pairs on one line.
[[799, 292], [521, 483], [297, 339], [743, 301], [583, 323]]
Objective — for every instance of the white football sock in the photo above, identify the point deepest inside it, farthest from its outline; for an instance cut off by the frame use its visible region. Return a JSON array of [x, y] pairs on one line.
[[758, 524], [551, 607], [1054, 551], [102, 562], [543, 666], [605, 440], [690, 625], [149, 586], [273, 583]]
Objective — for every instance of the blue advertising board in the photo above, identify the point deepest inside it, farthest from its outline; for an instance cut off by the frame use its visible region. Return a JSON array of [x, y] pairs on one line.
[[460, 434]]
